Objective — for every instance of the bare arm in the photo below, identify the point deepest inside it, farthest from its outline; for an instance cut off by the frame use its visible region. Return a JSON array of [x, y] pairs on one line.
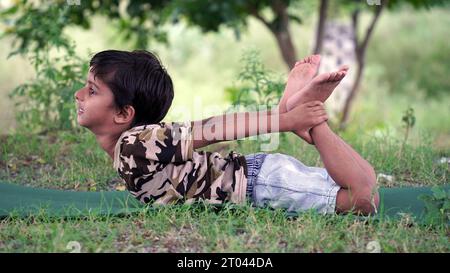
[[239, 125], [236, 126]]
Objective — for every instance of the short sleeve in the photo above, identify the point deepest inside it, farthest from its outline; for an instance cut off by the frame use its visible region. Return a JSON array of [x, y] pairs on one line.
[[163, 142]]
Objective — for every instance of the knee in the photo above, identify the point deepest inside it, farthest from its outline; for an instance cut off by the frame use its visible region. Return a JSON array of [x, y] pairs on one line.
[[371, 176], [367, 201], [369, 190]]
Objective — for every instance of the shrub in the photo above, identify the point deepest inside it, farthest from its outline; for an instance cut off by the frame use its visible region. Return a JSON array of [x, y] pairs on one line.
[[46, 102]]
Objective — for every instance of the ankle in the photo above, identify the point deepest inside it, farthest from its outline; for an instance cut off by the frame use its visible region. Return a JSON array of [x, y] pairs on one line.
[[319, 128]]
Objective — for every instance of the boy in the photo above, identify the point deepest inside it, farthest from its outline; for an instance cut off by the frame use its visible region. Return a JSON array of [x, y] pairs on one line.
[[129, 93]]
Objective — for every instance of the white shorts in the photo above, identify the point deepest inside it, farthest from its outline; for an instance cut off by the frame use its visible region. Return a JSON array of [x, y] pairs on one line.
[[281, 181]]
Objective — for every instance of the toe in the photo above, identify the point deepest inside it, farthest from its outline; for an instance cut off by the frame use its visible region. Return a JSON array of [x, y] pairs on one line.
[[333, 76], [315, 59], [304, 60], [341, 75], [344, 68], [324, 77]]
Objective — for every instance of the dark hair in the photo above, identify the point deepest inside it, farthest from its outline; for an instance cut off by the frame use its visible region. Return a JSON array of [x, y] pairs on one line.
[[138, 79]]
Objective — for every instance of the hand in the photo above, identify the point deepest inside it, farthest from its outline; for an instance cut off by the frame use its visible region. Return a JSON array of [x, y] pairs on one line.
[[306, 116]]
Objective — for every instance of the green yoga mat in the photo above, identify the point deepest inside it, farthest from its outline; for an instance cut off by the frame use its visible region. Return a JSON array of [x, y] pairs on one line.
[[24, 201]]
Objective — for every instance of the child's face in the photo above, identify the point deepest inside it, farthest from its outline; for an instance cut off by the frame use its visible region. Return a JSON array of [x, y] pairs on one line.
[[95, 105]]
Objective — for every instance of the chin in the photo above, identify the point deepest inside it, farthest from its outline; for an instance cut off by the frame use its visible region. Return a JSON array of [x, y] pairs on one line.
[[81, 123]]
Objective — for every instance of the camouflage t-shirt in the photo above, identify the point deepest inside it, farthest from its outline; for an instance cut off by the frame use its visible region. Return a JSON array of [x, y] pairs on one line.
[[159, 165]]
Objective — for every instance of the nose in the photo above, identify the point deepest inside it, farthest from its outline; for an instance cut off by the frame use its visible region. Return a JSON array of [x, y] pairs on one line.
[[78, 95]]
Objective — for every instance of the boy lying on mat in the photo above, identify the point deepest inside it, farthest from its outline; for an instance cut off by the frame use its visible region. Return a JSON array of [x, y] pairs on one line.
[[128, 94]]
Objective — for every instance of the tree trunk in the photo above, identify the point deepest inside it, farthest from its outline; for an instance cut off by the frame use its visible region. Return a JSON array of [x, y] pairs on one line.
[[320, 26], [286, 47], [361, 58], [338, 49], [280, 29], [349, 100]]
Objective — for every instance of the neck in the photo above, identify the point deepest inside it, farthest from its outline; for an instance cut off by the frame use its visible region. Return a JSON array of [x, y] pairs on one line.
[[108, 142]]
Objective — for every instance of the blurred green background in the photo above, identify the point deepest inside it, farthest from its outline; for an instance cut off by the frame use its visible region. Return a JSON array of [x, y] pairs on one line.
[[407, 65], [399, 120]]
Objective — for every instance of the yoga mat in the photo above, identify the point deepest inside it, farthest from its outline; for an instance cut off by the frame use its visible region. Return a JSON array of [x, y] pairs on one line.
[[24, 201]]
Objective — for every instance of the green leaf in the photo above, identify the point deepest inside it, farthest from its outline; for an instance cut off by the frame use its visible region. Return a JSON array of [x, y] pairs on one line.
[[439, 193], [10, 11]]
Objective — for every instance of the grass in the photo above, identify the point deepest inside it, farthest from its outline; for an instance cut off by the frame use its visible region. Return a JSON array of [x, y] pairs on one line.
[[73, 161], [201, 67], [183, 229]]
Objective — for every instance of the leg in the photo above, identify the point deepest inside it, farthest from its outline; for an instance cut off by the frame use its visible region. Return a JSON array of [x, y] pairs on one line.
[[299, 77], [348, 170], [319, 88]]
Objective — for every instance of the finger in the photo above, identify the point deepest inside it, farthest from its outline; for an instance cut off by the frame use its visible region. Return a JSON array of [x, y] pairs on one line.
[[314, 103], [320, 119], [317, 108], [320, 113], [324, 117]]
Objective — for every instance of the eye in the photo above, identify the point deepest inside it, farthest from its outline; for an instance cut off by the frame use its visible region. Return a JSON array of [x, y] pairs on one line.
[[91, 91]]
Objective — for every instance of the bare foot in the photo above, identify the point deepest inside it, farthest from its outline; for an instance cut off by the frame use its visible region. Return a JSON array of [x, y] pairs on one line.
[[319, 88], [299, 77]]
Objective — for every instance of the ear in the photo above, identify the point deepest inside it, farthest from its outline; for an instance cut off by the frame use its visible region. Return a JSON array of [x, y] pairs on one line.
[[124, 115]]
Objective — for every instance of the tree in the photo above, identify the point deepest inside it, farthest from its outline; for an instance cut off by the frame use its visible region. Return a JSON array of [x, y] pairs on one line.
[[323, 7], [142, 20], [211, 15], [354, 9], [360, 46]]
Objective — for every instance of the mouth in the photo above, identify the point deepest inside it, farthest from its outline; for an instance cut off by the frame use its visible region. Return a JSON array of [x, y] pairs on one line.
[[80, 110]]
